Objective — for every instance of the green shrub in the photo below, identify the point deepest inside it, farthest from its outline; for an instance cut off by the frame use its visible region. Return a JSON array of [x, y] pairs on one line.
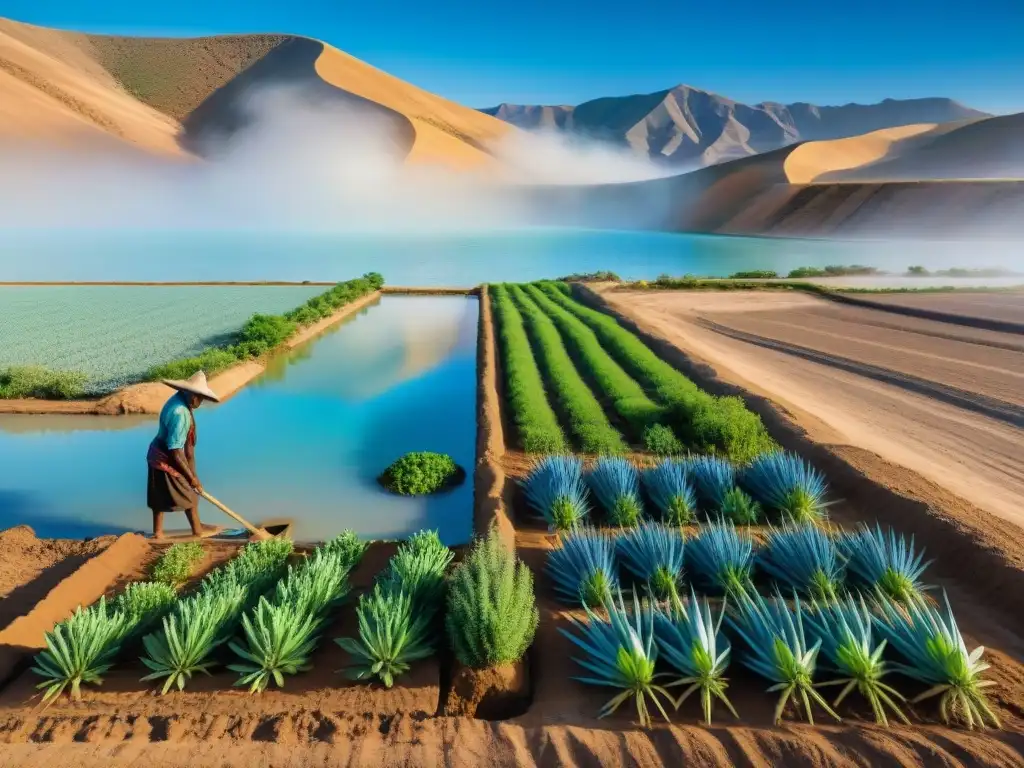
[[36, 381], [702, 421], [211, 361], [175, 565], [582, 412], [661, 441], [375, 279], [755, 274], [590, 277], [421, 472], [349, 547], [627, 398], [535, 420], [271, 330], [492, 612]]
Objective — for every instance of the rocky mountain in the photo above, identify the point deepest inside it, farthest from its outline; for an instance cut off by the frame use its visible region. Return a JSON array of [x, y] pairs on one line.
[[691, 127]]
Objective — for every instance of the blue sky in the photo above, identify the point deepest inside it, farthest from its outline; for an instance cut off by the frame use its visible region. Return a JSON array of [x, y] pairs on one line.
[[551, 52]]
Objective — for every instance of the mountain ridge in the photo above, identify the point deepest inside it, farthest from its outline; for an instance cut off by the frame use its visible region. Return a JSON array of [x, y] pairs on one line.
[[689, 126]]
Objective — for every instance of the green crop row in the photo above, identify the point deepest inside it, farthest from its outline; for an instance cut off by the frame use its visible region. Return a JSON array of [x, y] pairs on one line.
[[583, 413], [627, 398], [708, 424], [263, 333], [536, 423]]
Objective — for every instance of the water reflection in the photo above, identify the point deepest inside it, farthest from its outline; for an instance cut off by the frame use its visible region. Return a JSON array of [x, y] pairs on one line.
[[305, 441]]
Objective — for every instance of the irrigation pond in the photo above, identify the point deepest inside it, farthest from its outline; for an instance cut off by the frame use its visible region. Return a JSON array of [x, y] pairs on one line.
[[305, 441]]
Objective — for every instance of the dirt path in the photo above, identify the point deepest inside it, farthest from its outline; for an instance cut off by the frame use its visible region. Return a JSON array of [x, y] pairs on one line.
[[946, 408]]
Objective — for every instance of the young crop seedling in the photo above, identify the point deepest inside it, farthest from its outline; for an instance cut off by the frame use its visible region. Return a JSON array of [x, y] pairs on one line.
[[583, 568], [279, 639], [787, 484], [738, 507], [620, 652], [935, 653], [721, 558], [418, 570], [79, 650], [175, 566], [690, 640], [803, 557], [615, 483], [556, 491], [844, 628], [653, 552], [777, 650], [670, 489], [886, 562], [390, 636]]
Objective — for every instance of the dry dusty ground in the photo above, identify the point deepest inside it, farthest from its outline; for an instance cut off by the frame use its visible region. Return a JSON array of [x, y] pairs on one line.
[[937, 398]]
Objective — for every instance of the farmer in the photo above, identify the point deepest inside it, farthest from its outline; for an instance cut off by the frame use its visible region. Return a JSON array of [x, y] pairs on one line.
[[173, 484]]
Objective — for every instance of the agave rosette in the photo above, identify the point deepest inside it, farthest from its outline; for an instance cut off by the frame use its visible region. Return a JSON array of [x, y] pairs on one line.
[[616, 485], [690, 641], [653, 553], [776, 648], [582, 568], [555, 490], [886, 561], [847, 643], [787, 484], [671, 491], [934, 652], [713, 477], [721, 558], [620, 652], [804, 558]]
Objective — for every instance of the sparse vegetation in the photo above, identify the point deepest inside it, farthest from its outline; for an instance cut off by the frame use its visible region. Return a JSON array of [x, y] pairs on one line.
[[422, 472], [755, 274], [591, 277], [833, 270]]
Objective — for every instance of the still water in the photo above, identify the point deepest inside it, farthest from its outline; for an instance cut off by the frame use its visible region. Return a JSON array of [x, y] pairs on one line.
[[305, 441], [457, 260]]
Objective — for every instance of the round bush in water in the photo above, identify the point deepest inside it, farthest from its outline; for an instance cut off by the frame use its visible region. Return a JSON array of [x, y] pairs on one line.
[[422, 472]]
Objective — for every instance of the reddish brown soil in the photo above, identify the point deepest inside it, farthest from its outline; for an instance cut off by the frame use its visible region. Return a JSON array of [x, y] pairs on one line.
[[31, 567]]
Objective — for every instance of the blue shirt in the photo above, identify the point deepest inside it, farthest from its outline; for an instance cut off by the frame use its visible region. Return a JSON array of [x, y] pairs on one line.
[[175, 422]]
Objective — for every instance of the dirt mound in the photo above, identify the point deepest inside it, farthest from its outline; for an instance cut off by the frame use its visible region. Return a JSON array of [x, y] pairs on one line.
[[23, 557]]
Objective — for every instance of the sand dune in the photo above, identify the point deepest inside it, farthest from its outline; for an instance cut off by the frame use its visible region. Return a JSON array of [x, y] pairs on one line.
[[814, 158], [74, 89]]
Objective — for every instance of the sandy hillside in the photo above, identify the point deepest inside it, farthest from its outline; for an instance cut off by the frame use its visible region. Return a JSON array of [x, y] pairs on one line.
[[940, 399], [73, 88]]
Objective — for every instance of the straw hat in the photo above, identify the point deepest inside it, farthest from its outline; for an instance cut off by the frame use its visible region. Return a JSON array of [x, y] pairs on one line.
[[196, 385]]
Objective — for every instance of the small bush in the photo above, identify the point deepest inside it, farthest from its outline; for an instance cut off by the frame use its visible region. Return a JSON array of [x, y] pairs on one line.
[[755, 274], [492, 612], [422, 472], [271, 330], [36, 381], [210, 361], [661, 441], [175, 565], [724, 425]]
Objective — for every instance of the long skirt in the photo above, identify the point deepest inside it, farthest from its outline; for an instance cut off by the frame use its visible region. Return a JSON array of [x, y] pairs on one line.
[[167, 493]]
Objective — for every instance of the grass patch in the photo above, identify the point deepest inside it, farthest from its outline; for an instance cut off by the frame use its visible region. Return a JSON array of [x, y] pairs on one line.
[[37, 381], [175, 566], [264, 333], [535, 420], [583, 414], [708, 424]]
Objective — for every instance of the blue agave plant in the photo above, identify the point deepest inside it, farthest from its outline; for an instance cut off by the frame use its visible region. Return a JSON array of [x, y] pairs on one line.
[[653, 552], [844, 628], [776, 648], [721, 559], [803, 557], [886, 561], [669, 488], [620, 652], [713, 478], [555, 490], [616, 485], [788, 484], [583, 567], [935, 653], [691, 643]]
